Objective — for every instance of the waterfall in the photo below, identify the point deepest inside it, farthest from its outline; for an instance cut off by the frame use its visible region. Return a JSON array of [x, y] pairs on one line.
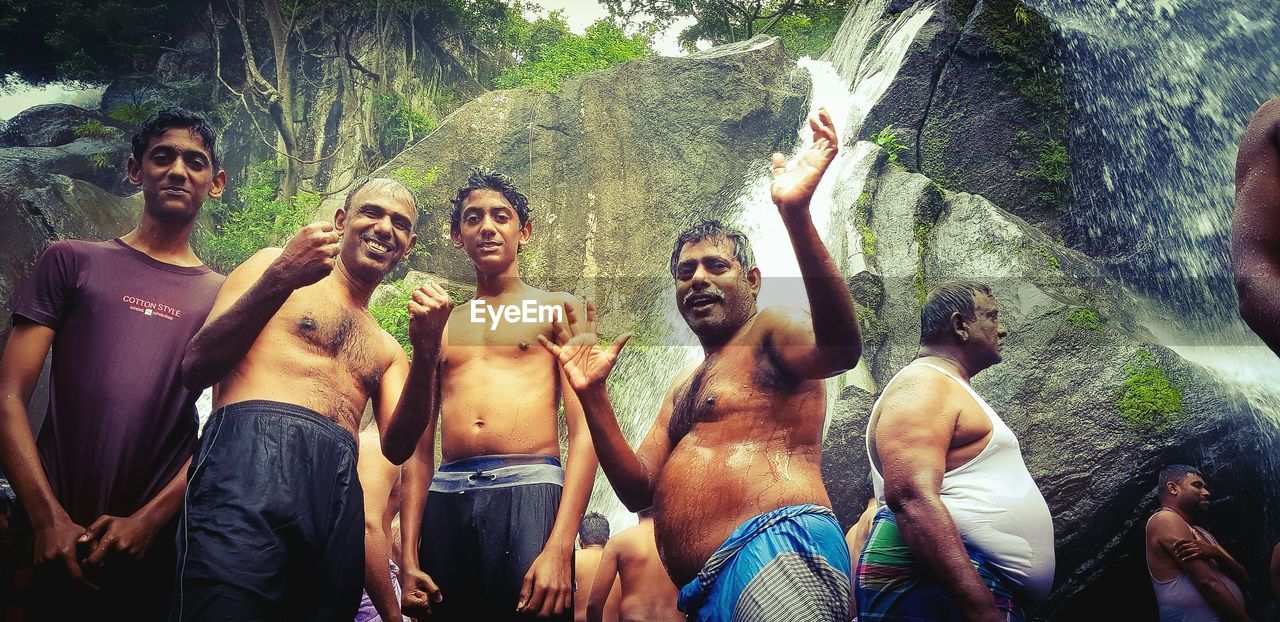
[[865, 57]]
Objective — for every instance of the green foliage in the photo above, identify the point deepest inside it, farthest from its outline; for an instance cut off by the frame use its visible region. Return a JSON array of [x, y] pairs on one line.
[[551, 54], [1049, 257], [1054, 166], [100, 161], [808, 34], [863, 220], [921, 233], [1084, 319], [258, 221], [95, 129], [1149, 400], [400, 120], [415, 180], [888, 140], [133, 114], [392, 312], [805, 27]]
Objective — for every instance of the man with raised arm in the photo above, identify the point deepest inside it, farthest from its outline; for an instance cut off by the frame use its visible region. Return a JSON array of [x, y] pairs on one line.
[[963, 532], [731, 465], [1194, 578], [103, 482], [631, 584], [272, 524], [491, 534], [1255, 230]]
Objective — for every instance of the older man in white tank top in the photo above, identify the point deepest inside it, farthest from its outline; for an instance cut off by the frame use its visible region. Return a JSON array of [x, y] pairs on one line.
[[963, 532]]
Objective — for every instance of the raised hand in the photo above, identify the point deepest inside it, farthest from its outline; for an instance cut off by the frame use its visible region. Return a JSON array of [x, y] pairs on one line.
[[794, 183], [429, 309], [585, 362], [307, 257], [1186, 550]]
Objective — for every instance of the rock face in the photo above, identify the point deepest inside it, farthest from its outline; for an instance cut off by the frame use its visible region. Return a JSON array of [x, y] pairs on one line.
[[980, 107], [614, 164], [1075, 348], [53, 125]]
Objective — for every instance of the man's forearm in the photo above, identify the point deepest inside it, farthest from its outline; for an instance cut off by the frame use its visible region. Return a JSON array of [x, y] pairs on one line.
[[835, 321], [1221, 599], [413, 496], [628, 476], [412, 413], [377, 574], [932, 537], [161, 508], [224, 341], [21, 461], [579, 474]]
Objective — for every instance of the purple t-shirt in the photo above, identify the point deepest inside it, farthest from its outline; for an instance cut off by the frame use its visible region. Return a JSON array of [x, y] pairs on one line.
[[120, 424]]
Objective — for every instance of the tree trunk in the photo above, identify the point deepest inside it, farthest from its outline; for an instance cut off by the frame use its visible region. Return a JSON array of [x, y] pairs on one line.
[[281, 106]]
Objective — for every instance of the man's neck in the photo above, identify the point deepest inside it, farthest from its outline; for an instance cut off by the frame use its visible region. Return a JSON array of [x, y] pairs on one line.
[[1187, 518], [713, 344], [949, 357], [358, 290], [498, 284], [168, 242]]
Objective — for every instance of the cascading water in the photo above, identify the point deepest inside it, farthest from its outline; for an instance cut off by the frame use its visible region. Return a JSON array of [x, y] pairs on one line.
[[847, 86], [1162, 92]]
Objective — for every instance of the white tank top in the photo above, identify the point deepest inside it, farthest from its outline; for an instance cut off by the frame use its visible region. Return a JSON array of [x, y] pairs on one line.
[[995, 505], [1178, 598]]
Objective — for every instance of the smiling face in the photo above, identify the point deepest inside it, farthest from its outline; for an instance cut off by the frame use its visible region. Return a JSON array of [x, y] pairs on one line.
[[714, 293], [377, 229], [176, 173], [489, 230]]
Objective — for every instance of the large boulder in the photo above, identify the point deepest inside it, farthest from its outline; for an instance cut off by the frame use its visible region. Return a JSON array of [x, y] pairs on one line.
[[614, 164], [1097, 404], [979, 105], [54, 125]]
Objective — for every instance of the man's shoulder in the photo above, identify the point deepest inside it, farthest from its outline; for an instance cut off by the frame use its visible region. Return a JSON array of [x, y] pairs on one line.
[[1165, 523]]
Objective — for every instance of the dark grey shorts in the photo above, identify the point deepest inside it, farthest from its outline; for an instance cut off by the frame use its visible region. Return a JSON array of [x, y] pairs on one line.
[[272, 526]]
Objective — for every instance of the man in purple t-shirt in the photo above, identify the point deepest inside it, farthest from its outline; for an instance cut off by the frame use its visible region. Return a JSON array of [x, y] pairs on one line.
[[103, 481]]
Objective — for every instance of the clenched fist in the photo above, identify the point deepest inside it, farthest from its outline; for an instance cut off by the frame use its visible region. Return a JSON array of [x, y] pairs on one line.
[[429, 309], [308, 257]]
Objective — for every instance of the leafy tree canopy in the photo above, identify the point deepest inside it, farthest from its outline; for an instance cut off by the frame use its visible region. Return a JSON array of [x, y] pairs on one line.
[[550, 52], [803, 24]]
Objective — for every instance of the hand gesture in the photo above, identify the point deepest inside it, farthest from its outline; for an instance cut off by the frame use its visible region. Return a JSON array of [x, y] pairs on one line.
[[793, 184], [578, 349], [547, 589], [56, 542], [308, 256], [115, 534], [1186, 550], [429, 309], [419, 592]]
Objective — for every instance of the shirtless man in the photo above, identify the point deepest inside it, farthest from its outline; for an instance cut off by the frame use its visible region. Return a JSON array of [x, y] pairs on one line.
[[380, 481], [1194, 578], [642, 591], [963, 532], [272, 523], [593, 536], [1255, 230], [731, 464], [491, 533]]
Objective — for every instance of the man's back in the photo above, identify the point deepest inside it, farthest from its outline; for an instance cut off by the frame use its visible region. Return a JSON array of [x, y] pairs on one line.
[[647, 594], [585, 562]]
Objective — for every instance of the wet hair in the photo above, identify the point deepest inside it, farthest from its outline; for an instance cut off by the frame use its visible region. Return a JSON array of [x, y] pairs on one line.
[[396, 187], [1174, 473], [490, 180], [594, 530], [943, 300], [713, 229], [169, 118]]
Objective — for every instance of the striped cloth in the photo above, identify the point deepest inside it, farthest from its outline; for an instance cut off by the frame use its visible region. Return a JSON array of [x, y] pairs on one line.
[[787, 565], [891, 587]]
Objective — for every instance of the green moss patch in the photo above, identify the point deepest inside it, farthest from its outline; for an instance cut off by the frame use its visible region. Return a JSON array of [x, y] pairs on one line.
[[1149, 400]]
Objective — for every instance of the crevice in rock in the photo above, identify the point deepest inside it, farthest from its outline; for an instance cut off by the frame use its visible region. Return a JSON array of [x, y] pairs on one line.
[[935, 79]]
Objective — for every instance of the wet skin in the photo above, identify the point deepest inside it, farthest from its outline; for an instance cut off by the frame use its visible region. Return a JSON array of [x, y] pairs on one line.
[[647, 593]]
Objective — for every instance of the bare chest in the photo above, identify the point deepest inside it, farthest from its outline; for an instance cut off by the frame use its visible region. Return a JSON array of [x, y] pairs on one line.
[[334, 339], [740, 379]]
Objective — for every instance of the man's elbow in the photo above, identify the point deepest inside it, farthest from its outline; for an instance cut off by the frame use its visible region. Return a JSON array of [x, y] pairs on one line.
[[192, 374], [395, 453]]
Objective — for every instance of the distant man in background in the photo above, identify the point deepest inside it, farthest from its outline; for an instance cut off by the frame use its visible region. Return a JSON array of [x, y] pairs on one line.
[[963, 532], [631, 583], [1255, 230], [103, 481], [593, 535], [272, 525], [1195, 579], [490, 536]]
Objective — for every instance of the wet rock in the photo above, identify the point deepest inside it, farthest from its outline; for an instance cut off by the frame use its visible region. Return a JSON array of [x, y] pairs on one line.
[[54, 125]]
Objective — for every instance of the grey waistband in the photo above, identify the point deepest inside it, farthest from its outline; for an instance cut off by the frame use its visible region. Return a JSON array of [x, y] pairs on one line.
[[501, 477]]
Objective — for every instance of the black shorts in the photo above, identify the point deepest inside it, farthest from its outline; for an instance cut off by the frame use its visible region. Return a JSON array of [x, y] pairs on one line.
[[486, 519], [273, 523]]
